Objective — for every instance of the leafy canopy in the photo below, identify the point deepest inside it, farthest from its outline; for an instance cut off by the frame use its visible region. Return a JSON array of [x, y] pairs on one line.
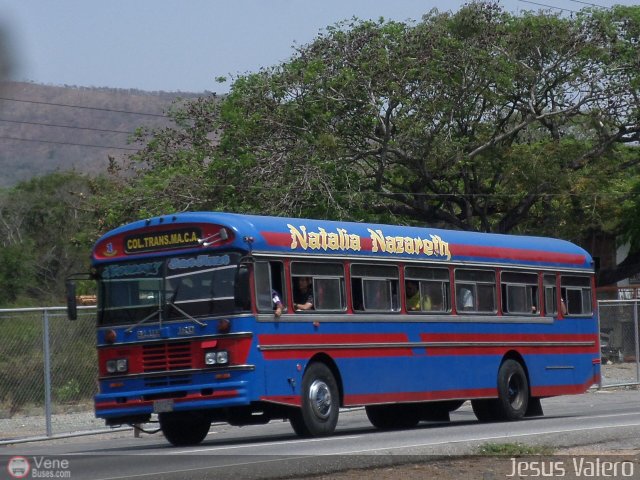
[[478, 119]]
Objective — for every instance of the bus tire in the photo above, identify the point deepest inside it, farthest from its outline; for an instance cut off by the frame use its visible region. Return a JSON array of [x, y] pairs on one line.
[[318, 413], [484, 409], [184, 428], [513, 391], [393, 417]]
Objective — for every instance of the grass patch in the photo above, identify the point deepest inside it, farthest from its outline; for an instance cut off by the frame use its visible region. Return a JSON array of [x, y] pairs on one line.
[[514, 449]]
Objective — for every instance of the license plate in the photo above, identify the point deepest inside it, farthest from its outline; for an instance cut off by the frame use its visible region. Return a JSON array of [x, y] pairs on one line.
[[160, 406]]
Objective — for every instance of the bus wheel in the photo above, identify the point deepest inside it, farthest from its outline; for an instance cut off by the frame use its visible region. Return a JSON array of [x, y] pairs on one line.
[[392, 417], [184, 428], [318, 415], [513, 391]]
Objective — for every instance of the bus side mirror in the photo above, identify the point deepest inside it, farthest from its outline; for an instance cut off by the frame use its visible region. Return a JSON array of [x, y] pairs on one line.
[[72, 306]]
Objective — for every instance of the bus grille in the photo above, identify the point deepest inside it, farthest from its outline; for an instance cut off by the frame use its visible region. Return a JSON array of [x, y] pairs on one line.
[[165, 357], [167, 381]]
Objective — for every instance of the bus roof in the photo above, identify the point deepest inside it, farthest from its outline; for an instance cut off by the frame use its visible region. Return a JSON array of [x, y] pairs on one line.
[[193, 232]]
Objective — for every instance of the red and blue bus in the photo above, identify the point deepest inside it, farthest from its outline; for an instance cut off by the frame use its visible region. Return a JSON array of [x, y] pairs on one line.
[[206, 316]]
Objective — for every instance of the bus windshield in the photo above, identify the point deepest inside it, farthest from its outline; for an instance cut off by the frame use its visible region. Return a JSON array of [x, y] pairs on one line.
[[170, 288]]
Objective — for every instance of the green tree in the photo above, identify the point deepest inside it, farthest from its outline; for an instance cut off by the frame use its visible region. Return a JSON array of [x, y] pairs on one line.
[[478, 120], [46, 227]]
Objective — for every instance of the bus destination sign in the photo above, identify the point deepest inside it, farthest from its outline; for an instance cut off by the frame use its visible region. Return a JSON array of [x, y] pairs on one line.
[[165, 240]]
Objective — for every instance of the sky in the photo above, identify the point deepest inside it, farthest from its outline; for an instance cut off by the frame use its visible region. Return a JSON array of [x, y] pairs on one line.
[[183, 45]]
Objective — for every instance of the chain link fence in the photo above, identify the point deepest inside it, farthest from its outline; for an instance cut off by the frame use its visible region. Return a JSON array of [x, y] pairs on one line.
[[48, 372], [48, 366], [619, 342]]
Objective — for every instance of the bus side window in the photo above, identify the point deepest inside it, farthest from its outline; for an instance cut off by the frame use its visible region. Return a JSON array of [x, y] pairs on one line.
[[519, 292], [475, 290], [432, 289], [323, 284], [328, 293], [269, 278], [377, 294], [576, 293], [375, 288]]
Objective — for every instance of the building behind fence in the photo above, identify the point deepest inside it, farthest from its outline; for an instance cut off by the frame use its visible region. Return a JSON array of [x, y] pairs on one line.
[[619, 344], [49, 369]]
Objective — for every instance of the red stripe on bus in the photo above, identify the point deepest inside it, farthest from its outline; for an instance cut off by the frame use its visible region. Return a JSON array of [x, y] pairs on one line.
[[496, 350], [293, 400], [508, 337], [376, 398], [470, 343], [516, 254], [555, 390], [337, 345], [277, 239]]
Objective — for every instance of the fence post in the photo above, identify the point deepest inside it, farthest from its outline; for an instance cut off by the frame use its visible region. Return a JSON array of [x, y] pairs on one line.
[[47, 371], [599, 330], [635, 330]]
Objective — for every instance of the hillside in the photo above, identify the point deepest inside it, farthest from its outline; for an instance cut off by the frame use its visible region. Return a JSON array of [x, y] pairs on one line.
[[47, 128]]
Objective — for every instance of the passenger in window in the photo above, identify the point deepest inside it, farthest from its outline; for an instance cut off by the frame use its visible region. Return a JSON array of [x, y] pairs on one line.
[[433, 297], [412, 289], [465, 299], [277, 303], [303, 294], [563, 306]]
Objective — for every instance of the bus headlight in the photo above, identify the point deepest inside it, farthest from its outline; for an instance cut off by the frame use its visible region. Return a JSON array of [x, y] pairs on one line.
[[216, 357], [118, 365]]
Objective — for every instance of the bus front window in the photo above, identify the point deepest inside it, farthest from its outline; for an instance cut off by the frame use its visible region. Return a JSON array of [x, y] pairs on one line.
[[201, 286], [175, 288], [129, 292]]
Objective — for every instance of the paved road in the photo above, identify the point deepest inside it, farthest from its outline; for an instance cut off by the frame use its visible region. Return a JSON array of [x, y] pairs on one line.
[[602, 420]]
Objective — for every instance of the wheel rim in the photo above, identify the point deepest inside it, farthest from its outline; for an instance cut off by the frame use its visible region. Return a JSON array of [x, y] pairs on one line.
[[515, 391], [320, 399]]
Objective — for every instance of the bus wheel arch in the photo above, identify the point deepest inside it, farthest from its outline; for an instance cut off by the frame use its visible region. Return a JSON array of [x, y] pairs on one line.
[[320, 396], [516, 356], [331, 365]]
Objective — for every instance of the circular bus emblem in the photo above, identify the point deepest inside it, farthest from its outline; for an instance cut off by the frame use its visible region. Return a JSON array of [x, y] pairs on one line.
[[18, 467]]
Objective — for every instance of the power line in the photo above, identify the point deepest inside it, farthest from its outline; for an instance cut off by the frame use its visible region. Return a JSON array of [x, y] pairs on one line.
[[68, 143], [587, 3], [105, 130], [549, 6], [83, 107]]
